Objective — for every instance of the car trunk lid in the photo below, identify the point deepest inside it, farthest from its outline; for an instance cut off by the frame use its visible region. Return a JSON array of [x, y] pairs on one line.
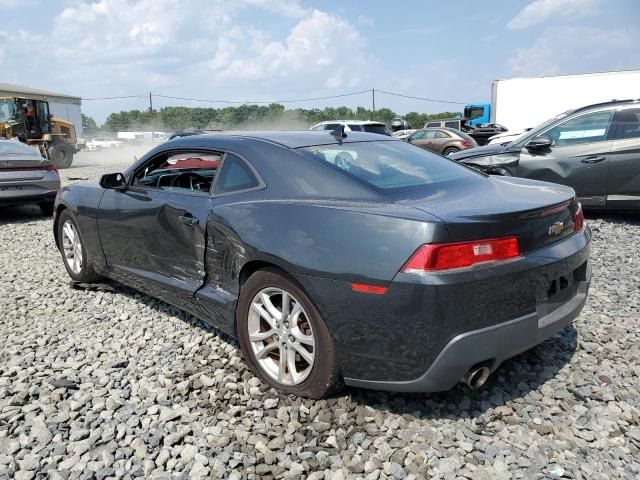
[[537, 213], [17, 167]]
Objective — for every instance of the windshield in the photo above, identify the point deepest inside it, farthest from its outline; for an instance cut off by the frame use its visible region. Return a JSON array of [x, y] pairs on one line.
[[390, 165], [7, 109], [525, 136]]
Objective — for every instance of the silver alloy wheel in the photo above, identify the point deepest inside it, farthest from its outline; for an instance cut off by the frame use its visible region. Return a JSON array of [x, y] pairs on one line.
[[281, 336], [72, 247]]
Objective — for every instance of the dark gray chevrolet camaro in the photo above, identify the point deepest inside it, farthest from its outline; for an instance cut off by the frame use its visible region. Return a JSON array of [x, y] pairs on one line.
[[361, 259]]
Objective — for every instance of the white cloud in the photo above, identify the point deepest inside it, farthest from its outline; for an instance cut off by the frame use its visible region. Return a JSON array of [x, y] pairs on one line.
[[540, 11], [578, 50], [319, 43], [125, 47]]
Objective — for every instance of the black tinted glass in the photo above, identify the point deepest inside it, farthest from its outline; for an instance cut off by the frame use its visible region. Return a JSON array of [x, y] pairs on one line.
[[381, 129], [235, 175]]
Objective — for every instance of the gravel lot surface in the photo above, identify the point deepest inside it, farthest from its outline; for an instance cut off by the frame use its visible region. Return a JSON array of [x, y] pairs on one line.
[[114, 384]]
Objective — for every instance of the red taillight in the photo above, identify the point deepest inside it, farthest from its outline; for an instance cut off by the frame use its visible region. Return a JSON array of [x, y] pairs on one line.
[[366, 288], [51, 168], [578, 218], [466, 144], [445, 256]]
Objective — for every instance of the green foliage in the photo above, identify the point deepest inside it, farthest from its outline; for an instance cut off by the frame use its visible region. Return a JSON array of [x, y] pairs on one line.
[[250, 116], [89, 124]]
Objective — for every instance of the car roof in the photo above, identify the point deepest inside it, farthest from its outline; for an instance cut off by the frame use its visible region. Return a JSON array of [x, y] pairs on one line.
[[289, 139], [605, 105]]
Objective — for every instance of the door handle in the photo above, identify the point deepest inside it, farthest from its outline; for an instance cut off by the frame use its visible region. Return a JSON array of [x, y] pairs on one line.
[[188, 220], [594, 159]]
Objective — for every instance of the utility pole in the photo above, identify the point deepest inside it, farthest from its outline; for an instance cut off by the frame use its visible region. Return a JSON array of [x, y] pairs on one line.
[[373, 103], [150, 113]]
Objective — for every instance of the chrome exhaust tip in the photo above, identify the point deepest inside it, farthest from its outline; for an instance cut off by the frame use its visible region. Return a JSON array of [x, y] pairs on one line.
[[476, 377]]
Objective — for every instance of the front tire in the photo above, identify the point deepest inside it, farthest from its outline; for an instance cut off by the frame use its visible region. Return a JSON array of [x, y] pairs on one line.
[[283, 337], [74, 253]]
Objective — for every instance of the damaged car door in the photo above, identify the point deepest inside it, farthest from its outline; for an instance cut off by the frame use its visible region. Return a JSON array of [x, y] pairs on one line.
[[574, 153], [153, 229]]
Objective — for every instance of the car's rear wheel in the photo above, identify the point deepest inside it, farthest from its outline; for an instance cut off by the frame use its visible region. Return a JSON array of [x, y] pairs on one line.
[[283, 337], [74, 253], [450, 151]]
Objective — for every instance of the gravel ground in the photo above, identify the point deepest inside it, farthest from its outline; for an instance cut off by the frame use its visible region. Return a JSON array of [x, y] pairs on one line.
[[114, 384]]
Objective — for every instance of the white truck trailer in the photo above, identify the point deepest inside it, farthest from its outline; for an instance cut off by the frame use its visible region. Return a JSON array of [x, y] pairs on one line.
[[520, 103]]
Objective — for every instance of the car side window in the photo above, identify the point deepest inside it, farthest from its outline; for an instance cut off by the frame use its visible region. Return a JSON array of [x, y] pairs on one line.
[[441, 134], [179, 172], [592, 127], [418, 136], [628, 123], [235, 175], [432, 124], [452, 125]]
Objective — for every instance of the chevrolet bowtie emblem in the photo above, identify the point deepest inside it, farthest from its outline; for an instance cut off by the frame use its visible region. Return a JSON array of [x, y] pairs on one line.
[[556, 228]]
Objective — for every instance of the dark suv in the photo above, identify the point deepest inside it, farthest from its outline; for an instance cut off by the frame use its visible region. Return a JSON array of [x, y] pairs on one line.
[[594, 149]]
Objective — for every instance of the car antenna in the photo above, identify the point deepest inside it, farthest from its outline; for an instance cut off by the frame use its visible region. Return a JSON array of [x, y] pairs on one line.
[[339, 133]]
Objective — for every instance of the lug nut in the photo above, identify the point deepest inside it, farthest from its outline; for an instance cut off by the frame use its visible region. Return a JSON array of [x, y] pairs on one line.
[[291, 338]]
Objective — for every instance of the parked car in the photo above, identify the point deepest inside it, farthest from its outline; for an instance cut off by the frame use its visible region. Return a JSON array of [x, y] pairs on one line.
[[104, 142], [399, 124], [403, 134], [354, 126], [27, 177], [358, 259], [445, 141], [594, 149]]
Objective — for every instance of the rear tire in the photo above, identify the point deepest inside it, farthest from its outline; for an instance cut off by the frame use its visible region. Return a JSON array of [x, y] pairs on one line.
[[74, 253], [61, 154], [46, 208], [450, 151], [300, 337]]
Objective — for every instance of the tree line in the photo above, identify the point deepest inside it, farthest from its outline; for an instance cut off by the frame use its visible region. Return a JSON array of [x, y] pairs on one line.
[[245, 116]]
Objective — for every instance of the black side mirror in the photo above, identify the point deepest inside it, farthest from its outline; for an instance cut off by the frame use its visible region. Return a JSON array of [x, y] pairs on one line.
[[539, 143], [112, 181]]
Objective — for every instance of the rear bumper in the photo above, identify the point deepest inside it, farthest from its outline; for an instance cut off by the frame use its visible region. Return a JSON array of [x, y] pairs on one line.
[[488, 346], [426, 331]]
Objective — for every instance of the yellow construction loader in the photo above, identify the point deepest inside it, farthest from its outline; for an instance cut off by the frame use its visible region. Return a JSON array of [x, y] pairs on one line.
[[29, 121]]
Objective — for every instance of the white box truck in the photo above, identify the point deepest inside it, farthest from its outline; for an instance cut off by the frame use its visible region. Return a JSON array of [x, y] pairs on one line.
[[521, 103]]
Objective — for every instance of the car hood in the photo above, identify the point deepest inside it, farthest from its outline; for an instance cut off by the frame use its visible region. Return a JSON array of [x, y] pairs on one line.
[[485, 150]]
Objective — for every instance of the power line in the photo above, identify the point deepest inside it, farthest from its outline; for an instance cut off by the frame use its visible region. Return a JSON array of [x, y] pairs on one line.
[[422, 98], [298, 100], [261, 101], [115, 98]]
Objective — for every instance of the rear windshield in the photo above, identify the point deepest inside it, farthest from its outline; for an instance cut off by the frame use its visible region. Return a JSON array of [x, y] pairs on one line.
[[381, 129], [390, 165], [15, 148]]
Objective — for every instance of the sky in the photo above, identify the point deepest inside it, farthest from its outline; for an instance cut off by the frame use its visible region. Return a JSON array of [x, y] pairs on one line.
[[264, 50]]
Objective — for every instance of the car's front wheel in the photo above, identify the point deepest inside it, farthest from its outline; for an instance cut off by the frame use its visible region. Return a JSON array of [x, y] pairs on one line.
[[283, 337], [74, 253]]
